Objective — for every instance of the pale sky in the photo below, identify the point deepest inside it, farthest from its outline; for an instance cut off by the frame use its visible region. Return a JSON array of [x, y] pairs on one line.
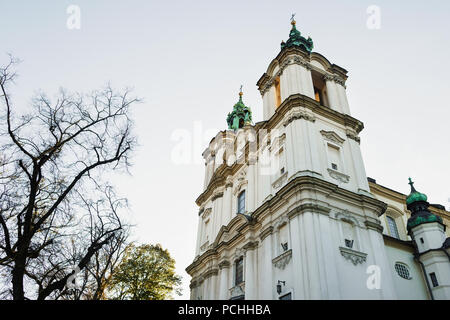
[[187, 59]]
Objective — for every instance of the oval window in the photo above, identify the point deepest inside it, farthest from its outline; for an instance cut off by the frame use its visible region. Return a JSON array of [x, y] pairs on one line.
[[402, 270]]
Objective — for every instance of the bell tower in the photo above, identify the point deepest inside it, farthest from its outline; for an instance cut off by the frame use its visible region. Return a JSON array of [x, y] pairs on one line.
[[311, 223], [432, 249]]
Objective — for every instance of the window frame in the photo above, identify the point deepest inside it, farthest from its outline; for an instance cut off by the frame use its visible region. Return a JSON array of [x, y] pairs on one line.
[[389, 225], [401, 272], [239, 263], [241, 194]]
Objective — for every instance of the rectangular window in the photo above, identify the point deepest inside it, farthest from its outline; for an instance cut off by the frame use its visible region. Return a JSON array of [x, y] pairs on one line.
[[239, 271], [241, 202], [434, 280]]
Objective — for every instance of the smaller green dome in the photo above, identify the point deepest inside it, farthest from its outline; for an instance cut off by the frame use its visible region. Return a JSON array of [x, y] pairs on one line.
[[240, 116], [415, 196], [297, 40], [420, 219]]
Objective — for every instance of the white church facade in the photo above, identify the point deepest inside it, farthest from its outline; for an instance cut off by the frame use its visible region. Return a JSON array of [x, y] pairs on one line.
[[287, 210]]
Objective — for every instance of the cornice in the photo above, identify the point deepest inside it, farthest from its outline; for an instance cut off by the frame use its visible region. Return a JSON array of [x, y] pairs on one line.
[[293, 55], [305, 102], [265, 233], [224, 264], [374, 226]]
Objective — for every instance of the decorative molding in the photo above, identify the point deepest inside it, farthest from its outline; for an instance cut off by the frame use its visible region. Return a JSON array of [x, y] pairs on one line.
[[340, 81], [239, 186], [279, 182], [351, 134], [216, 196], [284, 219], [237, 291], [312, 207], [204, 246], [265, 233], [206, 213], [211, 272], [282, 260], [224, 264], [250, 245], [338, 175], [295, 114], [374, 226], [348, 217], [354, 256], [268, 81], [332, 136]]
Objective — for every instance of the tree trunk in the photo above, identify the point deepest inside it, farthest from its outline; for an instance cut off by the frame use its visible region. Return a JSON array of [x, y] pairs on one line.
[[17, 277]]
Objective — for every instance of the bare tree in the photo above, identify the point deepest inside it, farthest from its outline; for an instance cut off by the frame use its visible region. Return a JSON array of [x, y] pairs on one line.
[[54, 208]]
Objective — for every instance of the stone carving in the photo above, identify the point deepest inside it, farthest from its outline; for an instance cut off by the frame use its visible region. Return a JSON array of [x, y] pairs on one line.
[[348, 217], [352, 135], [206, 213], [297, 113], [354, 256], [280, 181], [283, 259], [238, 290], [338, 176], [332, 136]]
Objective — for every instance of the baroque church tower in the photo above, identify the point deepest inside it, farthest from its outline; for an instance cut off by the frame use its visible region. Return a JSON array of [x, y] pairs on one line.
[[287, 211]]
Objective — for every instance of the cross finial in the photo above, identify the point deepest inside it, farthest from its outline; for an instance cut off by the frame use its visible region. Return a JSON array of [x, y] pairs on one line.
[[292, 17], [411, 183], [240, 89]]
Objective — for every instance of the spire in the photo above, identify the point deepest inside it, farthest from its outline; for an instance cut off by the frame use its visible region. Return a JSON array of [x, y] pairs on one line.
[[296, 39], [414, 194], [417, 203], [241, 114]]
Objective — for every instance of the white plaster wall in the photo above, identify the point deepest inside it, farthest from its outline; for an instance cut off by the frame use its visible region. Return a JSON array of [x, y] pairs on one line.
[[413, 289]]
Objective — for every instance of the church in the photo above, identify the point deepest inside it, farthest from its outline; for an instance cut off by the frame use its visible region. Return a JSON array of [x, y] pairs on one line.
[[287, 211]]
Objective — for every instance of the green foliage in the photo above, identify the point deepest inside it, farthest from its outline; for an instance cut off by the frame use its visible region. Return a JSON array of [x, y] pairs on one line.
[[146, 272]]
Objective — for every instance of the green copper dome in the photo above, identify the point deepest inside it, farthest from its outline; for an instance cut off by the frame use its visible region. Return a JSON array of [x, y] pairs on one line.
[[417, 203], [296, 39], [240, 116], [419, 219], [415, 196]]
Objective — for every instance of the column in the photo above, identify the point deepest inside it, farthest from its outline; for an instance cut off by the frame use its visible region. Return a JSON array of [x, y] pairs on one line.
[[333, 98], [342, 94], [307, 83], [250, 272], [224, 267], [298, 258], [265, 279], [251, 188], [226, 204], [199, 235], [360, 171]]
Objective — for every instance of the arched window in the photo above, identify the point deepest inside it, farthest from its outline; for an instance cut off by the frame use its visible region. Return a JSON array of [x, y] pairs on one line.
[[393, 231], [241, 202]]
